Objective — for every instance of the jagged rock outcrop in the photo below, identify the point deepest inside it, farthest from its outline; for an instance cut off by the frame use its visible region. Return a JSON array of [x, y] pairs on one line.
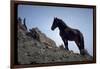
[[35, 33], [22, 26], [35, 47]]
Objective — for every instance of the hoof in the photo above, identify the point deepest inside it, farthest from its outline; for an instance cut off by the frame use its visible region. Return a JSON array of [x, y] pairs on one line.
[[66, 49], [82, 52]]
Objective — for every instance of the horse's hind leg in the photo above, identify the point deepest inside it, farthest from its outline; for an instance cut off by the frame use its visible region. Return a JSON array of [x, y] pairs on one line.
[[82, 50], [80, 44]]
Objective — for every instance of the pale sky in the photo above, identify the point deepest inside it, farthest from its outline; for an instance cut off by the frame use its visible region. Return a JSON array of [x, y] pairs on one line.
[[43, 16]]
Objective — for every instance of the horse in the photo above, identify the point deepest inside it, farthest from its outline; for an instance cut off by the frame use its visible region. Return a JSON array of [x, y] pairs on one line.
[[69, 34]]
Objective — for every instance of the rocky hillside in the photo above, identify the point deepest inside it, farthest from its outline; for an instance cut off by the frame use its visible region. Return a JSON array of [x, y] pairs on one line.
[[35, 47]]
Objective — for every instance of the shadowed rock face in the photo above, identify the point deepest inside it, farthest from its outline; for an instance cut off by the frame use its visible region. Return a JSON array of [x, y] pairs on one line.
[[35, 47]]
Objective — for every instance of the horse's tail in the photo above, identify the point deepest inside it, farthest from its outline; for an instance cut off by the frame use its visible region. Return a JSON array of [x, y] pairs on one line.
[[82, 42]]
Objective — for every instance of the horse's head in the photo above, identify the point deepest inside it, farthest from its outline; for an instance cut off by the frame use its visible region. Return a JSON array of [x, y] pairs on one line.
[[54, 25]]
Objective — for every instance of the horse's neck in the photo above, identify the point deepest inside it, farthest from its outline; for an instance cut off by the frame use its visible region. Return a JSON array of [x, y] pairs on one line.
[[62, 27]]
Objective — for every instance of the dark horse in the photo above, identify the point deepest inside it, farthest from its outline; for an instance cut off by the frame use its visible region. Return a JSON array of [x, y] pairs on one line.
[[70, 34]]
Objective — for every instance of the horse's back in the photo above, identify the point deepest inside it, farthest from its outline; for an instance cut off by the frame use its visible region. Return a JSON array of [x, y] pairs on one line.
[[71, 34]]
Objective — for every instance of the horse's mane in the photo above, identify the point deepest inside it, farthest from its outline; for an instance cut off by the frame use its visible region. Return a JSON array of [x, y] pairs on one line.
[[63, 23]]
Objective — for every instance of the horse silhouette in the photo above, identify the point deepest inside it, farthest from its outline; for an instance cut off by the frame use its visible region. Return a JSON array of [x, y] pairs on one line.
[[69, 34]]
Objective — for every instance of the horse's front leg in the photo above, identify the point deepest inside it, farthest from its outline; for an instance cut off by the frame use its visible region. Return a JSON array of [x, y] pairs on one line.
[[65, 41], [66, 44]]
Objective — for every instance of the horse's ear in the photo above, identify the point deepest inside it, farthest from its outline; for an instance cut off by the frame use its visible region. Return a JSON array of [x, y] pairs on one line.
[[54, 17]]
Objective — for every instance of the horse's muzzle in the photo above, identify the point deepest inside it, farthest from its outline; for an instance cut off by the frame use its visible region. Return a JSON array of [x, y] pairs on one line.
[[52, 28]]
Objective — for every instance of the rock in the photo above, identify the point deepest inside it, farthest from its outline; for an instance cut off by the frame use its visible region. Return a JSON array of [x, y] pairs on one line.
[[35, 33], [61, 46], [35, 47], [22, 25]]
